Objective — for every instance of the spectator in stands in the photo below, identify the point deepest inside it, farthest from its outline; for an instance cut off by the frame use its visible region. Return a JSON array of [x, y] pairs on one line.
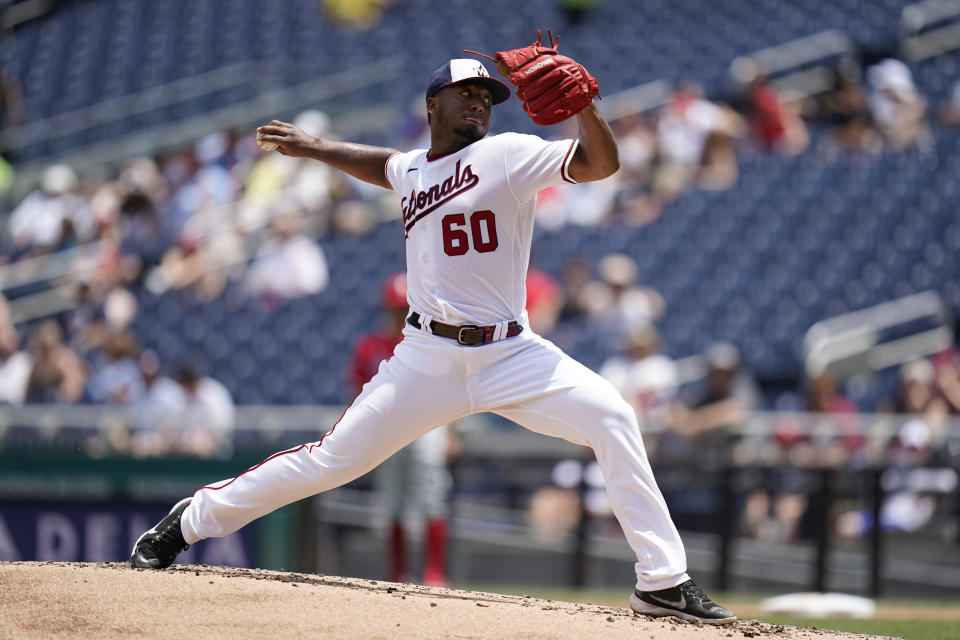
[[576, 12], [201, 184], [919, 483], [575, 283], [142, 175], [101, 305], [11, 116], [15, 364], [11, 103], [706, 422], [543, 301], [52, 217], [774, 125], [645, 377], [825, 397], [288, 264], [729, 395], [116, 380], [694, 144], [414, 481], [913, 445], [948, 112], [636, 202], [199, 216], [918, 494], [947, 377], [846, 110], [141, 188], [104, 200], [357, 14], [355, 216], [617, 303], [156, 411], [101, 308], [775, 509], [898, 109], [83, 325], [205, 422], [917, 392], [58, 374], [276, 178]]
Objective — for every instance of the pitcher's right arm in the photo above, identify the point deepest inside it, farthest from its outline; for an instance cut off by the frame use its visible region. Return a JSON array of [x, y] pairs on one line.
[[361, 161]]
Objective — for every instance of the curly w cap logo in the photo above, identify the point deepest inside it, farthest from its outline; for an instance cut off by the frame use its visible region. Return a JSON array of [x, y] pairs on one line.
[[463, 68]]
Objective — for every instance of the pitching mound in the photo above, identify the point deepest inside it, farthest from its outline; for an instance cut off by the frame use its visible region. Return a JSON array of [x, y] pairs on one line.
[[60, 600]]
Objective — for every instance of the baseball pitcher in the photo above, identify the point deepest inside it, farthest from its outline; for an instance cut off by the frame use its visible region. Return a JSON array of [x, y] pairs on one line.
[[468, 213]]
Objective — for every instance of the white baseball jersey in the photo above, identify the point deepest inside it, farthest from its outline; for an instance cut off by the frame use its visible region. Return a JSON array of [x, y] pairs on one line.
[[468, 218]]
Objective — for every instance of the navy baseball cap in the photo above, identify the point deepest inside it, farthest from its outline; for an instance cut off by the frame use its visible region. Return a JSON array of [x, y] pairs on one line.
[[463, 69]]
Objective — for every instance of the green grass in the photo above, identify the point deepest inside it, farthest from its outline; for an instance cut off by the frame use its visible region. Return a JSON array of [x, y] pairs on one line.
[[910, 620], [908, 629]]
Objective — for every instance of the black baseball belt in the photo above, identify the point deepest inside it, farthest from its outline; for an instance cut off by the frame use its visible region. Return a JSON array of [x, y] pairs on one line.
[[469, 335]]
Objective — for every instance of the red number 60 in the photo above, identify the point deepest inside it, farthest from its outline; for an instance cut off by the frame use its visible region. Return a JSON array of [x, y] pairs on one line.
[[455, 239]]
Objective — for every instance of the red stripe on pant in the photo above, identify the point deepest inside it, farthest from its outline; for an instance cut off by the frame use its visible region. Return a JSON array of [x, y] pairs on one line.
[[287, 452]]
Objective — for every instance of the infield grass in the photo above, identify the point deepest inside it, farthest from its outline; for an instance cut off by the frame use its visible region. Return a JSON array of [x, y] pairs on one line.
[[896, 618], [908, 629]]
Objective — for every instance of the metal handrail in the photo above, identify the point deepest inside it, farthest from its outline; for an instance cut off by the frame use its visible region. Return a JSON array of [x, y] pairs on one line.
[[47, 267], [634, 100], [917, 41], [798, 52], [915, 17], [856, 334]]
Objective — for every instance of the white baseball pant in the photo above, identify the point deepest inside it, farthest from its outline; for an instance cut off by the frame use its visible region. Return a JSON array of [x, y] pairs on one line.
[[431, 381]]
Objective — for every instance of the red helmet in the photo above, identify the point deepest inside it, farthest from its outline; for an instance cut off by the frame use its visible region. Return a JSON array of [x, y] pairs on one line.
[[395, 291]]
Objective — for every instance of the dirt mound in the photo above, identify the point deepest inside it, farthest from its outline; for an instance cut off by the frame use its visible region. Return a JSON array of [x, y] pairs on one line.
[[59, 600]]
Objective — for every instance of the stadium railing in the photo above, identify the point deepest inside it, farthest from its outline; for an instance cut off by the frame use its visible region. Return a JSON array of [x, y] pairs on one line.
[[881, 336], [929, 28]]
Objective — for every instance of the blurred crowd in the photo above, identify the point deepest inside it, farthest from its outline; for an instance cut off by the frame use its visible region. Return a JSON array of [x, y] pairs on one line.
[[223, 211], [692, 141], [196, 219]]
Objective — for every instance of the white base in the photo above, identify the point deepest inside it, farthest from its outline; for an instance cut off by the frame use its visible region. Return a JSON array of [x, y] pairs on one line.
[[820, 605]]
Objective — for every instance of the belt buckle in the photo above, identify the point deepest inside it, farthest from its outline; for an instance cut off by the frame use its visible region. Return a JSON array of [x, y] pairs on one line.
[[463, 328]]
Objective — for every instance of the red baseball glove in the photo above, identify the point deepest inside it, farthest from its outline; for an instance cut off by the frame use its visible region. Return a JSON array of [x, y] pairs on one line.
[[552, 87]]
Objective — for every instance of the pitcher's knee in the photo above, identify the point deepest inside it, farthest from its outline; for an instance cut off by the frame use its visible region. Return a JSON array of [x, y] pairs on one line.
[[619, 416]]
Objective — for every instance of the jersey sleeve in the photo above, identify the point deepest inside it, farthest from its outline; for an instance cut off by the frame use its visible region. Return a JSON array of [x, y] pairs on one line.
[[395, 167], [533, 164]]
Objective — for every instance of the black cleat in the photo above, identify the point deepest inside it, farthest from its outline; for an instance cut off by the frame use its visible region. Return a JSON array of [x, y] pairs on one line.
[[685, 601], [159, 546]]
